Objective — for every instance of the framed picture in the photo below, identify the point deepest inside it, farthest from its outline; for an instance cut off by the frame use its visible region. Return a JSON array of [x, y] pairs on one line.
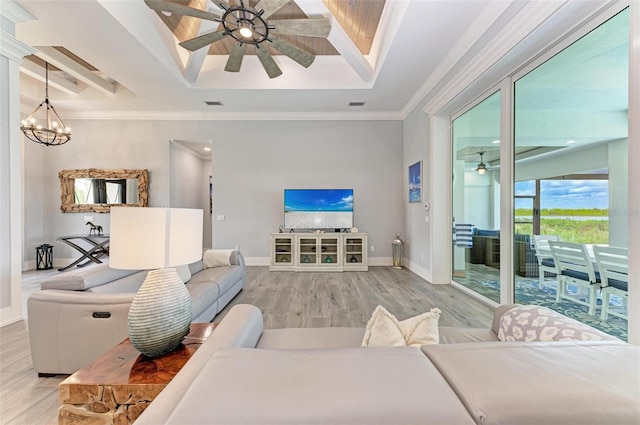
[[415, 182]]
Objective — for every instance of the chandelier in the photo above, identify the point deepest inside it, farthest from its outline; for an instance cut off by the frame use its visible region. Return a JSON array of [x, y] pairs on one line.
[[52, 132]]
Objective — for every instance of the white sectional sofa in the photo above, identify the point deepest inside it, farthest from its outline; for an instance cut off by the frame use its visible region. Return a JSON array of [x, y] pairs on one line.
[[79, 315], [244, 374]]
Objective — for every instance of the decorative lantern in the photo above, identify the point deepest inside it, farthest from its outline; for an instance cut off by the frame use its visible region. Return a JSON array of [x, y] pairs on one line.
[[44, 257], [397, 249]]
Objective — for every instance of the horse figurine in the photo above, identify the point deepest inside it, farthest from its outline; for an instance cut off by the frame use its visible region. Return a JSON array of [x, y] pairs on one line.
[[95, 229]]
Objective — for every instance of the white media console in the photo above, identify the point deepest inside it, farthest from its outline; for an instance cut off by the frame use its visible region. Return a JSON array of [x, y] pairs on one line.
[[318, 252]]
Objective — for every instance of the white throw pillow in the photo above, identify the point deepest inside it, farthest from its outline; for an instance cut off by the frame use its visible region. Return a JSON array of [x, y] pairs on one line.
[[384, 329], [216, 258], [422, 329]]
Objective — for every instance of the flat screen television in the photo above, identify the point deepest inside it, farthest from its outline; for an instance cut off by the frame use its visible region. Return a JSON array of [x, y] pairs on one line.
[[318, 209]]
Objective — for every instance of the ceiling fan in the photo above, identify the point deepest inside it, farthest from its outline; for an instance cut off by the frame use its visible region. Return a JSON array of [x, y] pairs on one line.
[[248, 25], [482, 167]]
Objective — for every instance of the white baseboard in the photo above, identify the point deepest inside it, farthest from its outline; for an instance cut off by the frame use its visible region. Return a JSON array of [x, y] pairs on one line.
[[379, 261], [257, 261], [419, 270]]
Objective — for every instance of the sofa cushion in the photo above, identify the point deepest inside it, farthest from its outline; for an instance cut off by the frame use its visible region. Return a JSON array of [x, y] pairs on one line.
[[225, 277], [203, 295], [131, 283], [536, 323], [90, 277], [455, 335], [298, 338], [379, 385], [559, 383], [196, 267]]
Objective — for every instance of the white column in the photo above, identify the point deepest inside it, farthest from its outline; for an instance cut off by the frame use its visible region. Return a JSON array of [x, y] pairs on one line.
[[11, 53]]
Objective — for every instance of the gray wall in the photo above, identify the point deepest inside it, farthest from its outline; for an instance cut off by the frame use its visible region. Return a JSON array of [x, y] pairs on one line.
[[253, 162], [189, 185], [416, 233]]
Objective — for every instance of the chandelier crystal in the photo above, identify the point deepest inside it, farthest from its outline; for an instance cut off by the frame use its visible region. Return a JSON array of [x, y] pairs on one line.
[[53, 131]]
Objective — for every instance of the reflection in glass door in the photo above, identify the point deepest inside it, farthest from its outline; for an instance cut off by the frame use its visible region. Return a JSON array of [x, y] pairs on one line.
[[476, 198]]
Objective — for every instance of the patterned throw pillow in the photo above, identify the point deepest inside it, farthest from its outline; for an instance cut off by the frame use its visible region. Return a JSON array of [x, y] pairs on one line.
[[535, 323]]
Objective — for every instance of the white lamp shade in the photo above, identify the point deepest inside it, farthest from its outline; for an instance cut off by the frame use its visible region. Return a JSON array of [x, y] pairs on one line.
[[154, 238]]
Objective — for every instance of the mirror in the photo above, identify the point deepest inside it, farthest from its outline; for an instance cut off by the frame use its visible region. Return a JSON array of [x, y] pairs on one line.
[[95, 190]]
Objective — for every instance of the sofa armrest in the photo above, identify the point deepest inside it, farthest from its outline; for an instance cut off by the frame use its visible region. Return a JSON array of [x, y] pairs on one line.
[[69, 329], [497, 315], [240, 327], [236, 258]]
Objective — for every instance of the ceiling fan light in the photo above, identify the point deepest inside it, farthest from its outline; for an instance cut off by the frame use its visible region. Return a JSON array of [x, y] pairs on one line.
[[481, 169], [246, 32]]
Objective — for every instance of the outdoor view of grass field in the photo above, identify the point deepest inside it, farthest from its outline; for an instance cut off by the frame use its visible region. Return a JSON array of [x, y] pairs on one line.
[[588, 225]]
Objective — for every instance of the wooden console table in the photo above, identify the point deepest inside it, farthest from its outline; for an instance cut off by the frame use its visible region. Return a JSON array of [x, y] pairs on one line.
[[120, 384], [99, 247]]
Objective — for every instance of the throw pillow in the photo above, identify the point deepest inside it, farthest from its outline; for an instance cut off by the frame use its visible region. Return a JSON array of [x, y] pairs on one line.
[[422, 329], [217, 258], [535, 323], [383, 330]]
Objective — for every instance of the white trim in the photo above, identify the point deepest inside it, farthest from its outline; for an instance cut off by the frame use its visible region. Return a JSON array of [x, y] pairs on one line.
[[379, 261], [474, 294], [525, 22], [15, 13], [479, 26], [634, 172], [257, 261], [419, 270], [507, 278], [232, 116], [12, 48]]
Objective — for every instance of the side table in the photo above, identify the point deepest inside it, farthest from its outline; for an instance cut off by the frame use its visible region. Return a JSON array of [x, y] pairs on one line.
[[120, 384]]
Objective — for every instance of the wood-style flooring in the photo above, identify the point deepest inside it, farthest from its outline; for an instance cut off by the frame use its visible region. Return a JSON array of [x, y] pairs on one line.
[[286, 299]]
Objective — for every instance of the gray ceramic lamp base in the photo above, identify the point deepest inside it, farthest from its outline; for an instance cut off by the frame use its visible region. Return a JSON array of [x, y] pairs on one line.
[[160, 313]]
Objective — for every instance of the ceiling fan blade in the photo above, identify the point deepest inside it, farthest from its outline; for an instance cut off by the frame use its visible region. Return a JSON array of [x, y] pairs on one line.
[[298, 55], [270, 6], [221, 4], [235, 58], [272, 68], [305, 27], [203, 40], [178, 9]]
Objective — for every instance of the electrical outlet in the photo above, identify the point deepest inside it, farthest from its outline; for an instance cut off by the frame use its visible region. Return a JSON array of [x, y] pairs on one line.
[[422, 255], [88, 218], [373, 248], [220, 217]]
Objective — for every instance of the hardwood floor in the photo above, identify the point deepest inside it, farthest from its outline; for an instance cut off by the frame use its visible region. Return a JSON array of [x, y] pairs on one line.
[[286, 300]]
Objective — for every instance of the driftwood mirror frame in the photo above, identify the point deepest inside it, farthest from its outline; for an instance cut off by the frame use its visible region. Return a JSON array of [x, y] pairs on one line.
[[67, 178]]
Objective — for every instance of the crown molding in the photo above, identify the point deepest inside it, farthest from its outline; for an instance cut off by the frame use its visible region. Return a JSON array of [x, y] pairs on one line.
[[12, 48], [233, 116], [530, 17], [15, 13]]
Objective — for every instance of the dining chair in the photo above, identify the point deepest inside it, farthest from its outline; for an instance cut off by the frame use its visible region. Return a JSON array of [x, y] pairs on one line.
[[613, 265], [575, 267], [544, 256]]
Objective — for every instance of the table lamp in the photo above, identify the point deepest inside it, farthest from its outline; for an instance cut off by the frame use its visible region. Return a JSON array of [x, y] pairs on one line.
[[156, 239]]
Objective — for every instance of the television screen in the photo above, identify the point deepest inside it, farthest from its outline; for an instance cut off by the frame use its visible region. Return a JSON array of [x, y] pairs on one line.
[[318, 208]]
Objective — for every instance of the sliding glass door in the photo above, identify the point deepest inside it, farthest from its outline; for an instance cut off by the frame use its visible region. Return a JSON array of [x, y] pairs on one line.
[[476, 198], [570, 148]]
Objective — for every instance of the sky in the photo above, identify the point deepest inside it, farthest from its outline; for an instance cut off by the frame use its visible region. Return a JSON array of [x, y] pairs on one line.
[[566, 194]]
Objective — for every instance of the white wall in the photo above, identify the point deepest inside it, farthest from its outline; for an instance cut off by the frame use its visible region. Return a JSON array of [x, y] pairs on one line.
[[254, 162]]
